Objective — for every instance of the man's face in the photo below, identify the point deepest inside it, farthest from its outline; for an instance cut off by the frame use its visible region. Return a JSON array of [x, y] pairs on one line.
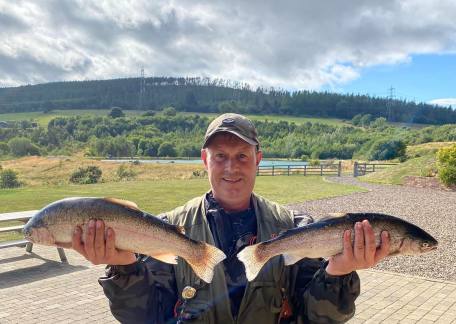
[[231, 164]]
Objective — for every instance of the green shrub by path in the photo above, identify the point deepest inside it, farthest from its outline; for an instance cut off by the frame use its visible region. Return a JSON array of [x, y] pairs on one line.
[[446, 165], [160, 196]]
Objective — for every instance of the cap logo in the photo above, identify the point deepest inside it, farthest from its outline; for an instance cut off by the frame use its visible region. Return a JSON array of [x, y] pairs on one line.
[[228, 121]]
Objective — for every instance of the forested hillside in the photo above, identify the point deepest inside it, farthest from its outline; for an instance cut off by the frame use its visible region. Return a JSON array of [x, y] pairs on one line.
[[206, 95], [169, 134]]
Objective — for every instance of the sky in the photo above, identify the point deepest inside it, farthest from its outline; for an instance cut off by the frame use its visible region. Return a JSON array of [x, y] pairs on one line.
[[403, 48]]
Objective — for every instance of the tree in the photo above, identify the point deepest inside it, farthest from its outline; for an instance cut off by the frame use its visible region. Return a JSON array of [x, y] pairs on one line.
[[22, 146], [166, 149], [169, 111], [116, 112]]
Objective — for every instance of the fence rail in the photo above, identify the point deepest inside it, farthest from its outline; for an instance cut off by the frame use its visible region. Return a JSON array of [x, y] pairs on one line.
[[360, 169], [305, 170]]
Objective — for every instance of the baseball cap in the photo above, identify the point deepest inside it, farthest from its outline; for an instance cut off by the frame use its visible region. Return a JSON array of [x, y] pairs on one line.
[[235, 124]]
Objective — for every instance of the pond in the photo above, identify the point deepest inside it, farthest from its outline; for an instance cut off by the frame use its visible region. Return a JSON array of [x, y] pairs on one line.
[[198, 161]]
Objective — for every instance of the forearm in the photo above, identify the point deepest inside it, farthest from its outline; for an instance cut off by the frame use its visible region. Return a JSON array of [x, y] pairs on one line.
[[325, 298], [141, 292]]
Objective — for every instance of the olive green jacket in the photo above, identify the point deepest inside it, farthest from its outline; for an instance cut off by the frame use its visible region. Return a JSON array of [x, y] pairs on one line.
[[323, 298]]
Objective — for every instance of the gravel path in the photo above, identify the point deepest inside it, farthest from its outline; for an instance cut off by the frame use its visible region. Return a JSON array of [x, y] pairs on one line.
[[433, 210]]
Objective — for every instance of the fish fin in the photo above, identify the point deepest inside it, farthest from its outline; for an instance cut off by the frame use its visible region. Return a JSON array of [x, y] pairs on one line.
[[181, 229], [204, 267], [331, 216], [125, 203], [290, 259], [253, 261], [166, 257]]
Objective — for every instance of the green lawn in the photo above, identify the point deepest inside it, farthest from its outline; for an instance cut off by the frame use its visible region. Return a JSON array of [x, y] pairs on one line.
[[159, 196]]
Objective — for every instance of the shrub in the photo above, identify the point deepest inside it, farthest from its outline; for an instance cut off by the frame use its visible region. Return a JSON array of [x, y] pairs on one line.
[[446, 165], [88, 175], [8, 179], [116, 112], [21, 146], [125, 173], [169, 111], [387, 150]]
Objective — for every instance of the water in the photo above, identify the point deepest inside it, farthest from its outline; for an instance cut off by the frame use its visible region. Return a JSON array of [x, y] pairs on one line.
[[198, 161]]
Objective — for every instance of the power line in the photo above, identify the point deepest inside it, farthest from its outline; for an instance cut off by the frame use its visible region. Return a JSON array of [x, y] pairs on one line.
[[389, 104]]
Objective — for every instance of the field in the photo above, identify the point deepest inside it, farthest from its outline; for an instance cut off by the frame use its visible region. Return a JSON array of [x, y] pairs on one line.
[[43, 119]]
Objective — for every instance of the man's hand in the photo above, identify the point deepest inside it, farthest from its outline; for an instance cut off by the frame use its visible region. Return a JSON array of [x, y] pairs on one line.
[[362, 255], [99, 248]]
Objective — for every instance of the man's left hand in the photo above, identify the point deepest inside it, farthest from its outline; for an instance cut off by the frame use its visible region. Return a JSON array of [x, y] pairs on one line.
[[362, 254]]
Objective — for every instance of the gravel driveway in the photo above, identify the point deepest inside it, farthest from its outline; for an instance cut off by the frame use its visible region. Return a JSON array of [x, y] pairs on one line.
[[433, 210]]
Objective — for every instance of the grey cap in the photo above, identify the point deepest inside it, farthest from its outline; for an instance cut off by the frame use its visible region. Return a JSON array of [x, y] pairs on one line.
[[235, 124]]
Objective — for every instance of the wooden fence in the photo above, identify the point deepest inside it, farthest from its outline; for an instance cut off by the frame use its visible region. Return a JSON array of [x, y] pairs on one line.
[[360, 169], [305, 170]]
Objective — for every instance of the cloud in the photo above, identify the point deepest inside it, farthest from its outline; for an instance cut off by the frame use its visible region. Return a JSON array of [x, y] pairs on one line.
[[294, 44], [444, 102]]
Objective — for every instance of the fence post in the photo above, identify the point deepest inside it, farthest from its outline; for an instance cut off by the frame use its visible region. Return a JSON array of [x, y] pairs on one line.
[[373, 167], [305, 170], [288, 169], [258, 170], [339, 168], [321, 169], [355, 169], [273, 170]]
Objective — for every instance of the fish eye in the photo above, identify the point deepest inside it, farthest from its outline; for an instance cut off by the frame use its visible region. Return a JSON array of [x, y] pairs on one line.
[[425, 244]]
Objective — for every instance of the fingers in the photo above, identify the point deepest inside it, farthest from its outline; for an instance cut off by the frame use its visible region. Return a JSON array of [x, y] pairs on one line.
[[359, 242], [348, 247], [383, 251], [369, 238], [89, 243], [110, 244], [76, 242], [99, 241]]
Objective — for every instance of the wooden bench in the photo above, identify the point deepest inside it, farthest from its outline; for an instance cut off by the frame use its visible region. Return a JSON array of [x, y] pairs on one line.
[[23, 217]]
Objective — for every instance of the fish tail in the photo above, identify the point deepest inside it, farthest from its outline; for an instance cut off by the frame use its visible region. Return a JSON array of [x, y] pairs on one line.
[[204, 267], [253, 260]]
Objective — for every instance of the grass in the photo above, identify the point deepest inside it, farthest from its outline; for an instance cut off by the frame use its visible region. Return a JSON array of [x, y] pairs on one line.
[[163, 195], [420, 162], [43, 119]]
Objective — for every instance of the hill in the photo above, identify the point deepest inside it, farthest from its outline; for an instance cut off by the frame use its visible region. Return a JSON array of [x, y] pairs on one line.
[[212, 96]]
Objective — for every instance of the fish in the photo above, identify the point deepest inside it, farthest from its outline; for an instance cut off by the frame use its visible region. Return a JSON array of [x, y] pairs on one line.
[[324, 239], [136, 231]]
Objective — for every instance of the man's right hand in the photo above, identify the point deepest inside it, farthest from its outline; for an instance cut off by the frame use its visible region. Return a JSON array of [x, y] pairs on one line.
[[99, 246]]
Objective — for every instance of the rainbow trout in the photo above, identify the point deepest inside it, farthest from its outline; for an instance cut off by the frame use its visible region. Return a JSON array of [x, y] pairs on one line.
[[325, 239], [136, 231]]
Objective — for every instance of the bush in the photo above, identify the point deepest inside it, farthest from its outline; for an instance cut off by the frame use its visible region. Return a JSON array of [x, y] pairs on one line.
[[88, 175], [116, 112], [21, 146], [8, 179], [125, 173], [387, 150], [446, 165], [169, 111]]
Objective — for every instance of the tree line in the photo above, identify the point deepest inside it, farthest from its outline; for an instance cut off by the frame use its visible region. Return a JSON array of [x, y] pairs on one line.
[[171, 134], [212, 95]]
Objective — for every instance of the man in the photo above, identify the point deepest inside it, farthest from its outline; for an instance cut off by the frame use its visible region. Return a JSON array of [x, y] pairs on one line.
[[231, 216]]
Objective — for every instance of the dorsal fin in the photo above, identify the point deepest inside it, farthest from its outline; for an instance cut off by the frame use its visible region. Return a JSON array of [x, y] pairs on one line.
[[331, 216], [125, 203]]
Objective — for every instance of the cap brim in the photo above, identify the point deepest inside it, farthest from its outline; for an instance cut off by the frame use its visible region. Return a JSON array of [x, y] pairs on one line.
[[242, 137]]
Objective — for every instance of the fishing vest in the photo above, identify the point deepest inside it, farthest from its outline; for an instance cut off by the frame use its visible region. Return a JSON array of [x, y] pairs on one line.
[[200, 302]]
